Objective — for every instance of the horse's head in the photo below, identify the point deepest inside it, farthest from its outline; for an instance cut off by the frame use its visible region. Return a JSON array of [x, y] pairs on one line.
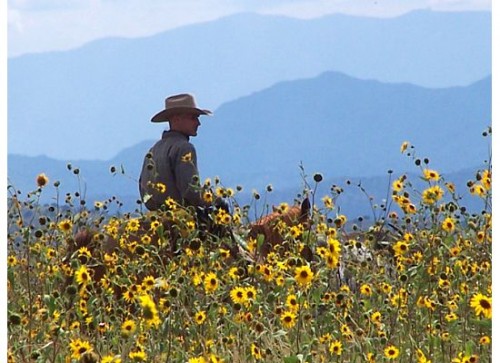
[[267, 225]]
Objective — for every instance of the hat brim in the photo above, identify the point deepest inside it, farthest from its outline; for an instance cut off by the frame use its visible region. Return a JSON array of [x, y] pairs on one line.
[[164, 116]]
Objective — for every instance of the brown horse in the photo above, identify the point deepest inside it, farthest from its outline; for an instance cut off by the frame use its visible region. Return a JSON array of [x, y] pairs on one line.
[[267, 226]]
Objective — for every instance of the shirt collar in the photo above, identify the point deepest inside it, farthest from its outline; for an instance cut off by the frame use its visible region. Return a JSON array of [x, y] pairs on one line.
[[173, 133]]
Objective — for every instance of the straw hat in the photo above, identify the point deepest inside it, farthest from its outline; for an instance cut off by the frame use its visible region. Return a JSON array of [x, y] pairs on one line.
[[178, 104]]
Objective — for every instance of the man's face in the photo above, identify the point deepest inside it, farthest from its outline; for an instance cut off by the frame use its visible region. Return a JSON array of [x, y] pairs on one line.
[[187, 123]]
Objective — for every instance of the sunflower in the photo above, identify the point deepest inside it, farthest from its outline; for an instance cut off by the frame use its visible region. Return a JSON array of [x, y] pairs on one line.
[[222, 217], [251, 292], [65, 225], [129, 296], [486, 179], [303, 275], [133, 225], [432, 195], [224, 253], [404, 146], [200, 317], [267, 272], [410, 208], [451, 316], [162, 188], [234, 273], [110, 358], [328, 202], [283, 208], [149, 310], [296, 231], [485, 340], [238, 295], [82, 275], [128, 328], [334, 247], [146, 240], [12, 261], [138, 356], [154, 225], [386, 288], [187, 157], [376, 317], [336, 347], [482, 305], [421, 357], [370, 357], [431, 175], [400, 248], [280, 280], [391, 352], [211, 283], [208, 196], [366, 289], [292, 303], [148, 283], [450, 186], [215, 359], [345, 330], [42, 180], [256, 352], [448, 225], [288, 319], [79, 347], [397, 185], [478, 190]]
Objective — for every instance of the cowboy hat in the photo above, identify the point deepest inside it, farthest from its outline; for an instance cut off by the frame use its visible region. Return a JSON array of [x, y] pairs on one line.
[[178, 104]]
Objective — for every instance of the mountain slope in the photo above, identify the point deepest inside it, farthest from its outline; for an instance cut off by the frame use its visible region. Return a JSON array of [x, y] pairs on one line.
[[334, 124], [90, 102], [340, 125]]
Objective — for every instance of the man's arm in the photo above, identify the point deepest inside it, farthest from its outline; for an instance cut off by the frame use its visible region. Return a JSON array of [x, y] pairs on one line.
[[187, 176]]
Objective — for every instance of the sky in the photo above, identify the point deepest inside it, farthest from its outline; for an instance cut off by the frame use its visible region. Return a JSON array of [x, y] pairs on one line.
[[48, 25]]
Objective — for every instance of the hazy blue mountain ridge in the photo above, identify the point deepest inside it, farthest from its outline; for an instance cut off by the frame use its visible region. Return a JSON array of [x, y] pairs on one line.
[[91, 102], [340, 126], [96, 183]]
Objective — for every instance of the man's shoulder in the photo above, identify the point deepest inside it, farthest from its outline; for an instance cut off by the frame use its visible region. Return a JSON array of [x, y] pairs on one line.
[[179, 144]]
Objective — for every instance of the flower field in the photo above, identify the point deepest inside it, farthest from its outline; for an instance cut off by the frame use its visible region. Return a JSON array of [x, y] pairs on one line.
[[413, 286]]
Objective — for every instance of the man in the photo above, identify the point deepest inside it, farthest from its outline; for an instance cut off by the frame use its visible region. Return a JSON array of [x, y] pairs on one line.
[[170, 167]]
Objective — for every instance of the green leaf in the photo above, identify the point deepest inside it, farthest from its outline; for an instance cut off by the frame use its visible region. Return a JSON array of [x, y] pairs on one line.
[[292, 359], [260, 240], [482, 323], [12, 278]]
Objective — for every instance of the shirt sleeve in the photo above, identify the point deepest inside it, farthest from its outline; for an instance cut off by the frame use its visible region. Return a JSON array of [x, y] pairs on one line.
[[187, 176]]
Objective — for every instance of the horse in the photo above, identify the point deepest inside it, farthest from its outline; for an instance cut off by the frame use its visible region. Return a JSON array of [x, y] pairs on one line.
[[268, 226]]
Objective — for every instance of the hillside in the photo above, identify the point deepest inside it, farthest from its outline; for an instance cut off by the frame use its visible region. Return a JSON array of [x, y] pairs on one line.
[[342, 126], [91, 102], [337, 125]]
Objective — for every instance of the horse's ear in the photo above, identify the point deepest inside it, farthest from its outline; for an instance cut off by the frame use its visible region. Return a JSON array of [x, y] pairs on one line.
[[305, 207], [307, 254]]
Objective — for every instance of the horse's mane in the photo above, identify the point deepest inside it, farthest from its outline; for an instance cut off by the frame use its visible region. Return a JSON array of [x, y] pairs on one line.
[[266, 225]]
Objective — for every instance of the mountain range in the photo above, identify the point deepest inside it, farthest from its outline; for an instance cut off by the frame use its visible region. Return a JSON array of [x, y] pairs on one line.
[[333, 124], [90, 103]]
